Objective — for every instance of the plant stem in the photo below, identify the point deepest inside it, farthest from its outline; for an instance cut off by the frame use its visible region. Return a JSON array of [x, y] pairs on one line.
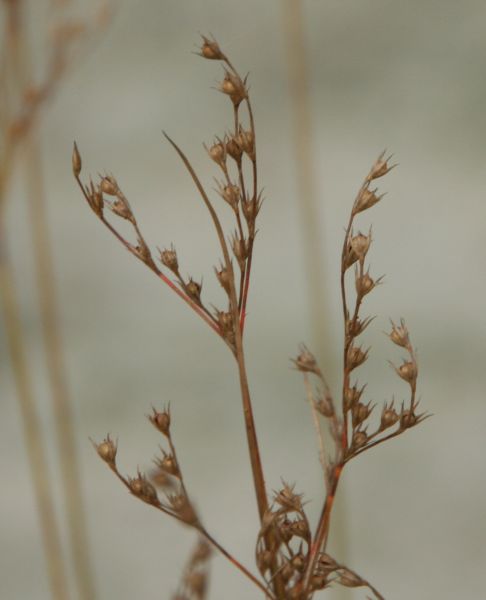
[[63, 417], [32, 430]]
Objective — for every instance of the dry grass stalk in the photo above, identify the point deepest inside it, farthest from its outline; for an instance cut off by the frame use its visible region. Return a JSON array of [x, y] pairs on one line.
[[290, 556], [21, 106]]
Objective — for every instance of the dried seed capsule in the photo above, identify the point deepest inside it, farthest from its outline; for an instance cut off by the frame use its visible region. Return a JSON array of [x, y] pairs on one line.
[[223, 278], [218, 153], [168, 464], [380, 168], [143, 489], [399, 334], [407, 419], [107, 450], [359, 439], [360, 413], [231, 194], [324, 405], [121, 209], [350, 579], [161, 421], [240, 250], [234, 149], [109, 185], [76, 161], [97, 202], [356, 356], [246, 140], [181, 505], [364, 284], [233, 87], [264, 561], [366, 199], [360, 245], [389, 417], [193, 289], [352, 396], [210, 49], [169, 259], [407, 371], [306, 361]]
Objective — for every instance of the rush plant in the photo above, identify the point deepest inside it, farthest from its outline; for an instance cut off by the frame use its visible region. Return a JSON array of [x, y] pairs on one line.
[[291, 555]]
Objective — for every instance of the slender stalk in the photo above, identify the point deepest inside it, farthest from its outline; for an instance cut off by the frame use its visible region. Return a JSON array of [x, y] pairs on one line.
[[34, 444], [315, 419], [63, 417], [320, 539]]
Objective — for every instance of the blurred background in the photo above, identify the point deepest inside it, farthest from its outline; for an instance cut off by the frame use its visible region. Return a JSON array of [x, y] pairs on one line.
[[406, 76]]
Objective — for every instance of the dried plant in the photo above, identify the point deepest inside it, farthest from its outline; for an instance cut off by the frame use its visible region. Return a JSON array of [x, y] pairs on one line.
[[290, 555], [23, 98]]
